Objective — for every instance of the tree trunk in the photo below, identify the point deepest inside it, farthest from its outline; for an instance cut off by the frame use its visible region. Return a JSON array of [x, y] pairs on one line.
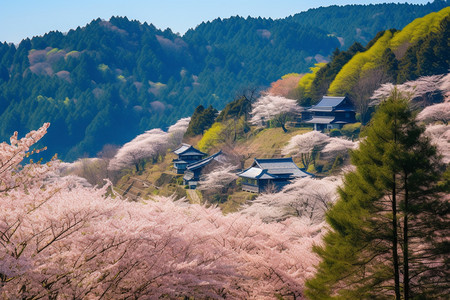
[[394, 223], [406, 244], [394, 240]]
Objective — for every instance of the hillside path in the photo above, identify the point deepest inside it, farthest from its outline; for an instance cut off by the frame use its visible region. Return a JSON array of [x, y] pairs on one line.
[[194, 196]]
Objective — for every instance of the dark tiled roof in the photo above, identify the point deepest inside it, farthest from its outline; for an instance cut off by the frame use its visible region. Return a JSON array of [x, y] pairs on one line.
[[203, 162], [328, 101], [273, 168], [188, 176], [321, 120], [328, 104], [256, 173], [179, 161], [186, 148], [192, 151]]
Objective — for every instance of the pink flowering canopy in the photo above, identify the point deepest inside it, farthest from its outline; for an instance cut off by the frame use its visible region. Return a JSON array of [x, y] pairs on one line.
[[59, 239], [269, 106]]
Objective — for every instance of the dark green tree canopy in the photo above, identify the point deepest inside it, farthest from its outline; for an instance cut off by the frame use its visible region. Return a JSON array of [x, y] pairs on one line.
[[387, 227], [201, 120], [236, 109]]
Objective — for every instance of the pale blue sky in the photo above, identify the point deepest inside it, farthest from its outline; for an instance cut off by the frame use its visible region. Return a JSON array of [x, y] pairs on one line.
[[27, 18]]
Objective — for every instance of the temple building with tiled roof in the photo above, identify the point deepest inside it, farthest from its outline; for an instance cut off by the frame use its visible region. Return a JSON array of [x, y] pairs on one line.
[[194, 170], [271, 173], [187, 154], [330, 112]]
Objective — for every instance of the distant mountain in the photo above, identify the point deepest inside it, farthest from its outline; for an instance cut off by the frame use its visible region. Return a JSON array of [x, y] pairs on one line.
[[111, 80]]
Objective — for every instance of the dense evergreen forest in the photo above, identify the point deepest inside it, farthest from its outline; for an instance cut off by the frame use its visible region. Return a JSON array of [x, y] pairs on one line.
[[392, 56], [110, 80], [361, 23]]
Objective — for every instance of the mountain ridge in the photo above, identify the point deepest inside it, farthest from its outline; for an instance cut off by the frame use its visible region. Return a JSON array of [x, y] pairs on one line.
[[110, 80]]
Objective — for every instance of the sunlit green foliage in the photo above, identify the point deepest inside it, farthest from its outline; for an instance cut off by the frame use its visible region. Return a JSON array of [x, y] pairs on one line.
[[428, 56], [355, 68], [378, 54], [362, 22], [305, 84], [419, 28], [326, 74], [212, 137]]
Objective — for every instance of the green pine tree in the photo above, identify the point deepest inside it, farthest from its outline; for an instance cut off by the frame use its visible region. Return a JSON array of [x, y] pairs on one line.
[[387, 237], [201, 120]]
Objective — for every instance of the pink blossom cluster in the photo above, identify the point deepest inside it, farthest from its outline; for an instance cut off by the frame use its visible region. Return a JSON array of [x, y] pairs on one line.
[[440, 137], [150, 144], [68, 241], [218, 178], [147, 145], [306, 198], [303, 145], [414, 88], [269, 106], [435, 113], [12, 174]]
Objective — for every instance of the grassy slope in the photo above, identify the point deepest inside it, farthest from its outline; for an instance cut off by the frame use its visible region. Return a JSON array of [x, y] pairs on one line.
[[269, 142]]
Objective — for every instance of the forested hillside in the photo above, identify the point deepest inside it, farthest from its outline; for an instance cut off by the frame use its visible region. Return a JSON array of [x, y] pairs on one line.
[[361, 23], [392, 56], [108, 81]]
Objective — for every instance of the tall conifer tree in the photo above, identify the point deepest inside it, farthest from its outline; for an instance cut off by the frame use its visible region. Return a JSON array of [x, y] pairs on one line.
[[387, 237]]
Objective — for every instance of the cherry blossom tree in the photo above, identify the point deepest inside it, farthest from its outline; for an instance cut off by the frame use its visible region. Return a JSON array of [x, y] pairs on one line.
[[218, 178], [440, 137], [12, 174], [306, 198], [337, 146], [445, 86], [306, 146], [445, 83], [177, 131], [62, 240], [435, 113], [150, 145], [276, 108], [93, 170], [423, 88]]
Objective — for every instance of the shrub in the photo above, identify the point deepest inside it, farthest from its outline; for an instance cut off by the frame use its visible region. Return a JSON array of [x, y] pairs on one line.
[[351, 130]]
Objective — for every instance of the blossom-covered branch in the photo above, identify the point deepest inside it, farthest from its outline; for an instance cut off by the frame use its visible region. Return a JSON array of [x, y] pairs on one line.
[[276, 108], [218, 178], [149, 145], [72, 241], [306, 198]]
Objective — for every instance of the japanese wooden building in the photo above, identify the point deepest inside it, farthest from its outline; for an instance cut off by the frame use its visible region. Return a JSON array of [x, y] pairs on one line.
[[265, 174], [330, 112], [186, 155], [194, 170]]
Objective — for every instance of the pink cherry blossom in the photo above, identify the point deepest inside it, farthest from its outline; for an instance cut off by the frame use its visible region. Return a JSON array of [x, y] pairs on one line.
[[60, 239], [267, 107]]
